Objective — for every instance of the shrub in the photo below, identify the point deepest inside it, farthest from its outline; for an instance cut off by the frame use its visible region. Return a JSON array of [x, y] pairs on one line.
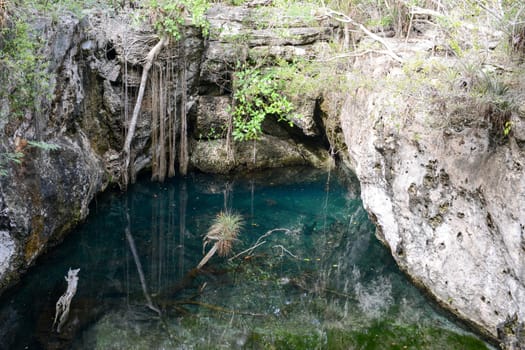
[[256, 95]]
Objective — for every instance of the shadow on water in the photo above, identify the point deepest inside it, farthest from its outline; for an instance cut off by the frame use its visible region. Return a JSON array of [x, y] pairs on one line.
[[318, 279]]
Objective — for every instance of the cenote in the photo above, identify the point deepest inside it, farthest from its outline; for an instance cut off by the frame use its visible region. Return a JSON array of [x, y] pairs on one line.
[[316, 279]]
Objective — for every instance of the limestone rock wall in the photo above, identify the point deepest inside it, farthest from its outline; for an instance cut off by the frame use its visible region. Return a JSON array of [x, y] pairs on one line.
[[49, 192], [239, 34], [447, 196]]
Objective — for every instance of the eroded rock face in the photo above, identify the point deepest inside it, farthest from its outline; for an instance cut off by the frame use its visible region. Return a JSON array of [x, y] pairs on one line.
[[448, 201], [49, 192], [237, 34]]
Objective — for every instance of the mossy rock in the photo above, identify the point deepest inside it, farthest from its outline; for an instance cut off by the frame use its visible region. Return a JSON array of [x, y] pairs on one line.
[[284, 340]]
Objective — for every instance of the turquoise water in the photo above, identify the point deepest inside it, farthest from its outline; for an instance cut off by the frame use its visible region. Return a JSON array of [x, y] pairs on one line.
[[321, 281]]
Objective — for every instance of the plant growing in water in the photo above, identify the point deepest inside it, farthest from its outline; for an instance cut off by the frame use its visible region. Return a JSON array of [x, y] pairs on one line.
[[222, 233]]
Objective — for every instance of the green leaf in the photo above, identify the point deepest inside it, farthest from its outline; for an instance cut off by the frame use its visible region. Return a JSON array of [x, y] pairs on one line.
[[44, 145]]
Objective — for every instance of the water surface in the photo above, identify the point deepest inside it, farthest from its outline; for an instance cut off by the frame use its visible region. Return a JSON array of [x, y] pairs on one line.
[[319, 280]]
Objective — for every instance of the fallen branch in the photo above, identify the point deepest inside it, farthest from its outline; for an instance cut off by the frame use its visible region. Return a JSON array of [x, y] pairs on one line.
[[249, 250], [341, 17], [258, 242], [284, 250], [352, 54], [64, 302], [323, 291]]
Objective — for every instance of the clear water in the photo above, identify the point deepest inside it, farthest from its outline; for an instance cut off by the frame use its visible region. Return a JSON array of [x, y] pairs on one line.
[[323, 282]]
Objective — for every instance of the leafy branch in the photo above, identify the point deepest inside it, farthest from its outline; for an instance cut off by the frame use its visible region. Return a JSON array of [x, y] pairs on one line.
[[257, 95]]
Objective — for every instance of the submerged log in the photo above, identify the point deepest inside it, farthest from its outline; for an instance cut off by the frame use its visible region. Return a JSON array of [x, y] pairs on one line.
[[64, 302]]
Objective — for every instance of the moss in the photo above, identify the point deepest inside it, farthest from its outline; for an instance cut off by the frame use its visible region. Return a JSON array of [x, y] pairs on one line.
[[383, 335], [35, 242], [378, 336], [284, 340]]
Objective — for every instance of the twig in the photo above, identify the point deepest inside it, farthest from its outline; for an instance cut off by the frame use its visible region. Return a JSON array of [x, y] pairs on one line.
[[258, 242], [352, 54], [249, 250], [284, 250]]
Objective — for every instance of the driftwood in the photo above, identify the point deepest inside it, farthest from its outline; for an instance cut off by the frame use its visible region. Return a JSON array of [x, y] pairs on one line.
[[64, 302]]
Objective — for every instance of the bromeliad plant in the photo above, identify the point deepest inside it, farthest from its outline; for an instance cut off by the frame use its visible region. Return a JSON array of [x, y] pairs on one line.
[[222, 233]]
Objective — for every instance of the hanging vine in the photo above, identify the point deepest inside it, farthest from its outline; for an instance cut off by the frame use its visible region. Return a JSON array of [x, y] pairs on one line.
[[126, 152], [168, 18], [183, 165], [172, 120]]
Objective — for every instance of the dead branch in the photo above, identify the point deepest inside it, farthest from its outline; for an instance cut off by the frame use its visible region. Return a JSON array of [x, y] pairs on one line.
[[64, 302], [341, 17], [352, 54], [284, 250], [259, 242], [249, 250]]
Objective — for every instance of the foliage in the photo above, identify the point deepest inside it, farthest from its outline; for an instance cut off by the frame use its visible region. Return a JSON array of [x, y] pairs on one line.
[[46, 146], [257, 94], [57, 7], [507, 128], [224, 230], [9, 157], [17, 156], [169, 16], [22, 70]]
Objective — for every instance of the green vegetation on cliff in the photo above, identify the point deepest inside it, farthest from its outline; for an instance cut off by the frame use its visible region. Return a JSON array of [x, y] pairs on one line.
[[257, 95]]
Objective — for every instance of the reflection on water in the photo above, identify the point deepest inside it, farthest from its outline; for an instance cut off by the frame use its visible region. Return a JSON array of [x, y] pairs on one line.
[[317, 278]]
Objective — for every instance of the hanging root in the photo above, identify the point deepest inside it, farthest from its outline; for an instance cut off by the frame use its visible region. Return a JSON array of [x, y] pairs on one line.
[[126, 151]]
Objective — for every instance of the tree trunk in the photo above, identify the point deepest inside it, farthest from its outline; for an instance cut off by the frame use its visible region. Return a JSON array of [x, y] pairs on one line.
[[126, 151]]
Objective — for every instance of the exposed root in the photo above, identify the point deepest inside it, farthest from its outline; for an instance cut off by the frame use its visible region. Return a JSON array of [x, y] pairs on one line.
[[126, 151]]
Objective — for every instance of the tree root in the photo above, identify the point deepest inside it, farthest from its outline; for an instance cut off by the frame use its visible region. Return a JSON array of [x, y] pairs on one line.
[[126, 151]]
